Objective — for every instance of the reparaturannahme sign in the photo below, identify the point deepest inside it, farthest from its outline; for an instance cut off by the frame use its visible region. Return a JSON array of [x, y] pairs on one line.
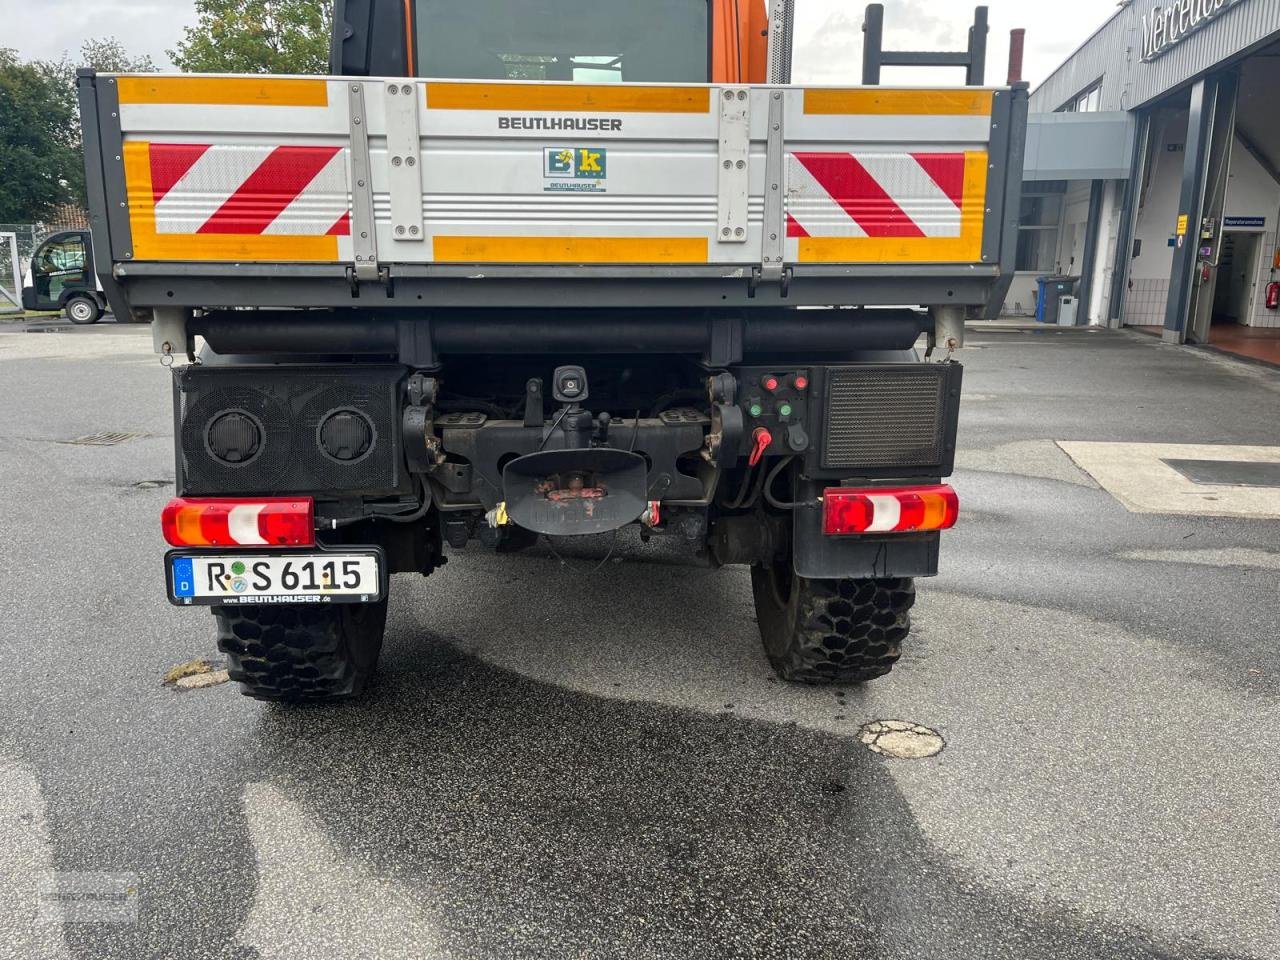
[[1164, 26]]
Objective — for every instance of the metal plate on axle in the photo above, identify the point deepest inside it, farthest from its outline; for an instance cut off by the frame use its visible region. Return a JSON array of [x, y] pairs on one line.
[[575, 492]]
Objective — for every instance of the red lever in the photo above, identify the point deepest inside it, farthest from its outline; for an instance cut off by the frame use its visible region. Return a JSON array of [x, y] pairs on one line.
[[761, 439]]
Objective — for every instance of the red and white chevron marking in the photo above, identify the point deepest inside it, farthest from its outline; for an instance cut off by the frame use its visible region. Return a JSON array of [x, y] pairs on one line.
[[250, 189], [874, 194]]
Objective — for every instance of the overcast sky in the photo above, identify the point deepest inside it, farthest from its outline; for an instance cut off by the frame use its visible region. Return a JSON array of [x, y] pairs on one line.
[[828, 32]]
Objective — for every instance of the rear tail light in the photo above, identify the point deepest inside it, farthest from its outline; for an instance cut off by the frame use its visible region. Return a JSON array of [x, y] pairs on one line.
[[262, 522], [851, 510]]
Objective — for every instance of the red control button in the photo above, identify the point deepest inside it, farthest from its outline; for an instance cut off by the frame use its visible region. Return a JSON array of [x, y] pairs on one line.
[[801, 382], [770, 383], [761, 439]]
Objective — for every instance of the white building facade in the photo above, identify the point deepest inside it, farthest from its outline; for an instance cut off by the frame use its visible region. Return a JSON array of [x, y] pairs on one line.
[[1153, 171]]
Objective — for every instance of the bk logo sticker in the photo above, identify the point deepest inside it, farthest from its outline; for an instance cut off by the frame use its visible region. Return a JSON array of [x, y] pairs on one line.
[[585, 165]]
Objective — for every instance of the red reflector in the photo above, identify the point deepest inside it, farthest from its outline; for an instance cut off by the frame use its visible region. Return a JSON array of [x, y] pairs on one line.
[[218, 521], [847, 510]]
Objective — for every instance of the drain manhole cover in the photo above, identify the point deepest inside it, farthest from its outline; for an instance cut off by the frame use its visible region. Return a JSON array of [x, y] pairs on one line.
[[104, 439], [903, 740]]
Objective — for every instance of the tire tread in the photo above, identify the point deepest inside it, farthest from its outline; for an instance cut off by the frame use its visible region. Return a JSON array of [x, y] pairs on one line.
[[834, 631], [293, 654]]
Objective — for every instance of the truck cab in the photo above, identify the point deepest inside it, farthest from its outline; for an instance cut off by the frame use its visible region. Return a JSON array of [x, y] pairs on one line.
[[619, 41], [61, 277]]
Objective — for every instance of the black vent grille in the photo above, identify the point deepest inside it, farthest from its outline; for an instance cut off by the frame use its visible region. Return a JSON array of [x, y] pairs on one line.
[[881, 417], [291, 405]]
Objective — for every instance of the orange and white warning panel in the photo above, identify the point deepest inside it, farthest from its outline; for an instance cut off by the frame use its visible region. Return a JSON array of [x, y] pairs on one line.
[[261, 169]]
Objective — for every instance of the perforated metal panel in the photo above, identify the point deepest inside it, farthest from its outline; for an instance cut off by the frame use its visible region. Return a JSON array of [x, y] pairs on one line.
[[891, 416], [289, 406], [781, 32]]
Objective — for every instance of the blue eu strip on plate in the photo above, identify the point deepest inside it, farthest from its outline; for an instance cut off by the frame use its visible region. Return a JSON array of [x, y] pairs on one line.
[[184, 577]]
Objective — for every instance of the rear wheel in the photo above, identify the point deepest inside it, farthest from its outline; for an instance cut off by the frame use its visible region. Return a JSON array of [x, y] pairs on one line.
[[293, 653], [82, 309], [830, 631]]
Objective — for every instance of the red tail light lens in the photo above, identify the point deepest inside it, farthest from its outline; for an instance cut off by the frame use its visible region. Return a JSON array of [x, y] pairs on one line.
[[217, 522], [854, 510]]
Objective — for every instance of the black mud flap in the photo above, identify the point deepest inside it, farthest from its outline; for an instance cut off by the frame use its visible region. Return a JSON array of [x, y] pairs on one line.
[[574, 492], [820, 557]]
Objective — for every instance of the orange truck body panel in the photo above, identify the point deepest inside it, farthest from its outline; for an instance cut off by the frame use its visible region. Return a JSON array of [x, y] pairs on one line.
[[740, 41]]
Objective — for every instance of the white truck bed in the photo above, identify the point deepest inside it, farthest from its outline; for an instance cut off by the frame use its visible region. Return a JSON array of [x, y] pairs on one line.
[[309, 191]]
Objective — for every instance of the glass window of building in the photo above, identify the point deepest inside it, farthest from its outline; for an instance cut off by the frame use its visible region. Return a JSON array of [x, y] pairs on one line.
[[1087, 101], [1038, 220]]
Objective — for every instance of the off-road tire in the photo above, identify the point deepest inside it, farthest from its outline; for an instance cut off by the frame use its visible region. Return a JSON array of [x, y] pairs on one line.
[[82, 309], [294, 653], [831, 631]]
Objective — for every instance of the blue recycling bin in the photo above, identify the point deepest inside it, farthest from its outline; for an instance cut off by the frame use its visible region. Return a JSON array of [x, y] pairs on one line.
[[1041, 282], [1049, 292]]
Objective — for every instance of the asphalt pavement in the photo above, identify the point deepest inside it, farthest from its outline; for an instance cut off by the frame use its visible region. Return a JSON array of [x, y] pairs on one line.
[[562, 759]]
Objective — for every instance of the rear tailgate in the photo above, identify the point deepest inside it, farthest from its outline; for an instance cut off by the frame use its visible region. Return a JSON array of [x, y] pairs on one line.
[[720, 193]]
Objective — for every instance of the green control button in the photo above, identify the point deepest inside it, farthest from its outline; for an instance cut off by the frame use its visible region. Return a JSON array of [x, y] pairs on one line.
[[755, 410], [784, 409]]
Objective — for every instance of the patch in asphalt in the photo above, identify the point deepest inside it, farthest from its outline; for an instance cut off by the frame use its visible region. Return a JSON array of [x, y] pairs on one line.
[[902, 740], [192, 668], [105, 438], [1138, 475], [29, 926], [1024, 458], [312, 891], [1226, 557], [202, 680]]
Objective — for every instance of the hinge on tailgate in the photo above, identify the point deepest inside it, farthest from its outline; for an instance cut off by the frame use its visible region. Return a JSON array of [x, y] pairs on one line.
[[775, 180], [363, 238]]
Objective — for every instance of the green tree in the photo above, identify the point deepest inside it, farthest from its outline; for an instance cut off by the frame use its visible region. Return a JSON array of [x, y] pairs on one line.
[[106, 55], [257, 36], [39, 161], [40, 151]]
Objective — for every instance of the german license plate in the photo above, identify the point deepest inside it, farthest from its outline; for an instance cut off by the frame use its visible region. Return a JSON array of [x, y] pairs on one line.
[[338, 576]]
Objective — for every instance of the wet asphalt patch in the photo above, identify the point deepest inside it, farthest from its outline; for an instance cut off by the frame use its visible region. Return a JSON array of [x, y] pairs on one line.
[[504, 817]]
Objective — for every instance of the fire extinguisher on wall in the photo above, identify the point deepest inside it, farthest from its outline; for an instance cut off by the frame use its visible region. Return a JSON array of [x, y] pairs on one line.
[[1273, 295]]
